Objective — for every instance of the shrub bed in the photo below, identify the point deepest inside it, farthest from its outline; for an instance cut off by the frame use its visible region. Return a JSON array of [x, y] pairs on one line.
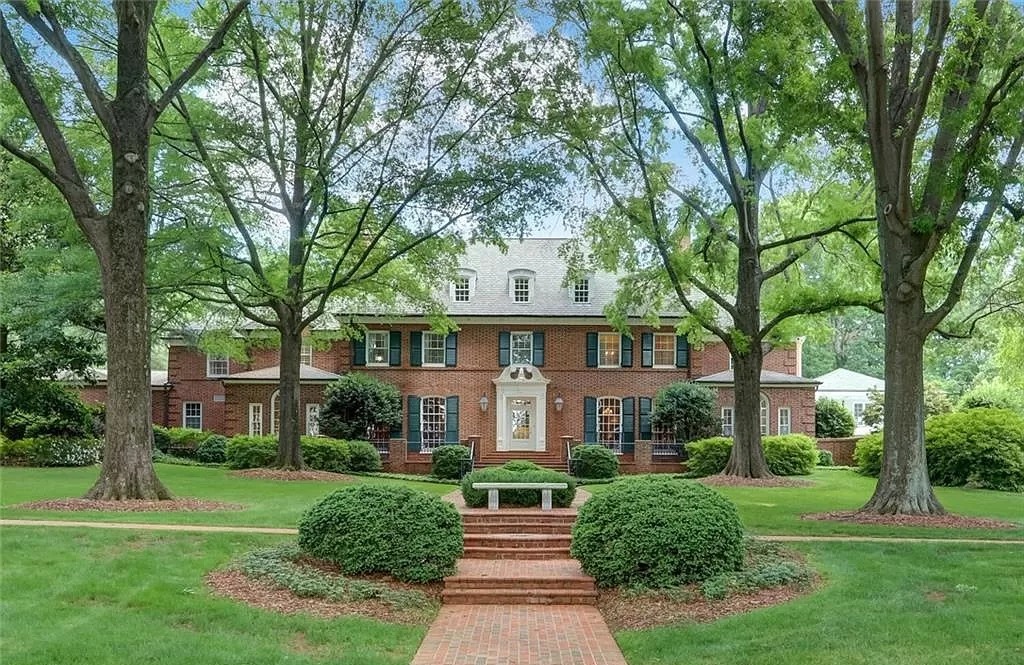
[[323, 454], [363, 456], [708, 456], [509, 474], [868, 455], [978, 447], [595, 462], [51, 451], [212, 449], [411, 535], [790, 454], [447, 461], [250, 452], [653, 531]]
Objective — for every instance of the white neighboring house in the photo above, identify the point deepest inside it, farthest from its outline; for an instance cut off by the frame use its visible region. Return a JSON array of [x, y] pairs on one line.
[[851, 388]]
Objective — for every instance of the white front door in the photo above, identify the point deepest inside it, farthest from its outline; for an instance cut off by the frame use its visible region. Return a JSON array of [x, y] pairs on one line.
[[522, 425]]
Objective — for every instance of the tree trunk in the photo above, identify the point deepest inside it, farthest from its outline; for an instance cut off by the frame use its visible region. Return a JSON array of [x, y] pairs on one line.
[[120, 245], [289, 448], [747, 457]]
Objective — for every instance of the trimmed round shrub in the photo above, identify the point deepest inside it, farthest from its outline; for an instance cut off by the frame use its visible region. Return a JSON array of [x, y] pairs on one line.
[[250, 452], [595, 462], [447, 461], [324, 454], [825, 458], [654, 531], [832, 419], [790, 454], [412, 535], [363, 456], [211, 450], [868, 455], [161, 439], [708, 456], [979, 447], [503, 474]]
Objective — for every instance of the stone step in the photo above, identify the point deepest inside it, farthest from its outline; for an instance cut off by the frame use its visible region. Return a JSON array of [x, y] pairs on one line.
[[554, 528], [475, 552], [519, 597], [517, 540]]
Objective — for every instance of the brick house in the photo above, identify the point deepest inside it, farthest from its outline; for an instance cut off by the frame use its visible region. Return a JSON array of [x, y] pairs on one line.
[[533, 366]]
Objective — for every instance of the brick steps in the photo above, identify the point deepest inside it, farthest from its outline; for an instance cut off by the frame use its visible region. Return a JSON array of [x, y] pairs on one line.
[[519, 527], [539, 582], [519, 597], [518, 541], [515, 552]]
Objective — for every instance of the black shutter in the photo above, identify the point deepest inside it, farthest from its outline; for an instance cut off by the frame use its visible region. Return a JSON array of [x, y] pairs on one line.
[[647, 350], [451, 419], [396, 430], [414, 439], [591, 349], [589, 420], [395, 349], [504, 348], [359, 352], [645, 419], [682, 351], [538, 348], [416, 348], [451, 347], [628, 433], [626, 352]]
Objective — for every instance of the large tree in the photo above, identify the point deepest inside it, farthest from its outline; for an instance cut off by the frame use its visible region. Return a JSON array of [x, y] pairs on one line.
[[941, 90], [362, 141], [702, 137], [106, 93]]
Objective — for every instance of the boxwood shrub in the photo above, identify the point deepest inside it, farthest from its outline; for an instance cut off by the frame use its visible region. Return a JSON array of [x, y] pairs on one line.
[[978, 447], [595, 462], [656, 531], [708, 456], [790, 454], [363, 456], [825, 458], [447, 461], [522, 465], [867, 454], [412, 535], [250, 452], [212, 449], [161, 439], [504, 474], [324, 454]]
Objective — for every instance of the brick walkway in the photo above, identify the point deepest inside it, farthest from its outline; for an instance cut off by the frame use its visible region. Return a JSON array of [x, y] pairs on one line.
[[519, 635]]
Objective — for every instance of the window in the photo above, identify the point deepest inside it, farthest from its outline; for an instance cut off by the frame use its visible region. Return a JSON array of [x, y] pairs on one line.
[[275, 412], [608, 349], [216, 365], [521, 289], [433, 349], [255, 419], [313, 419], [784, 420], [522, 348], [432, 423], [726, 421], [764, 415], [306, 355], [377, 347], [858, 412], [609, 422], [581, 291], [193, 415], [664, 350], [460, 289]]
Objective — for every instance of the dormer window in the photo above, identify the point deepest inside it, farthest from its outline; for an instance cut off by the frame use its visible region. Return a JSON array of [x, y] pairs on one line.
[[216, 364], [520, 286], [460, 289], [581, 292]]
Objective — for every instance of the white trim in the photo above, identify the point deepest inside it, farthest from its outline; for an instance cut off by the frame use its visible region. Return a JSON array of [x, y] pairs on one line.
[[216, 358], [312, 415], [575, 291], [427, 447], [618, 353], [185, 416], [728, 424], [615, 444], [654, 351], [255, 418], [275, 412], [423, 349], [387, 347], [521, 382], [512, 347], [306, 354], [765, 415], [789, 420]]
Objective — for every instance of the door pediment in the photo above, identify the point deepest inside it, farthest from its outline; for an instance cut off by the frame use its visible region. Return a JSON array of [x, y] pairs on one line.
[[521, 375]]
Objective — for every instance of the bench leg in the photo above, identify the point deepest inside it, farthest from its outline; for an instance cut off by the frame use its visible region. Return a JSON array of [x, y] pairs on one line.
[[545, 499], [492, 499]]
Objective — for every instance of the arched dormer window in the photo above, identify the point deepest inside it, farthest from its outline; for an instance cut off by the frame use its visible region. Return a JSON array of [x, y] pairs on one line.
[[521, 285], [463, 287]]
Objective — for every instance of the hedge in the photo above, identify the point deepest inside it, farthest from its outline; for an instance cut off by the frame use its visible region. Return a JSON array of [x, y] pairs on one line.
[[212, 449], [594, 462], [706, 457], [504, 474], [867, 454], [51, 451], [786, 455], [363, 456]]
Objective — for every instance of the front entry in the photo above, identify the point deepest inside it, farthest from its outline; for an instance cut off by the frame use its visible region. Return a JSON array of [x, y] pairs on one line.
[[522, 425]]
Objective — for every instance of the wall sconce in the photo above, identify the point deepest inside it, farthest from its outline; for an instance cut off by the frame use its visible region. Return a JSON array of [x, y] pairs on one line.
[[559, 403], [483, 403]]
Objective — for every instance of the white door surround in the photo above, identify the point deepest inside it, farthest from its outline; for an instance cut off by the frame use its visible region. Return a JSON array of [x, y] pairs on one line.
[[521, 409]]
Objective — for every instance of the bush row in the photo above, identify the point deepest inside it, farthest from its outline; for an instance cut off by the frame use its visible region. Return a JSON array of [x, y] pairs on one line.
[[786, 454], [50, 451], [519, 471], [320, 453]]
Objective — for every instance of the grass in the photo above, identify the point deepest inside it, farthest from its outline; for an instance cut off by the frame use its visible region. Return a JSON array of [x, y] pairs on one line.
[[109, 597], [907, 603]]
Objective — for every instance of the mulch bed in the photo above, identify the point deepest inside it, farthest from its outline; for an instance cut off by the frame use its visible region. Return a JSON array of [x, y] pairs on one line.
[[281, 474], [938, 521], [735, 481], [185, 505]]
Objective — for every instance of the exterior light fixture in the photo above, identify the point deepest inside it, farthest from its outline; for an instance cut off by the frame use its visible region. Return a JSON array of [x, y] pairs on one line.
[[483, 403], [559, 403]]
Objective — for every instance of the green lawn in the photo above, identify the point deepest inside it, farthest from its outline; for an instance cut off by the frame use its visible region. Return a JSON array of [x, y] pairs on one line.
[[906, 603], [97, 597]]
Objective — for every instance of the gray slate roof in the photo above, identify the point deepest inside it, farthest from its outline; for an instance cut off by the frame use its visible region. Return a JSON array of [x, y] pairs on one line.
[[268, 374], [768, 379]]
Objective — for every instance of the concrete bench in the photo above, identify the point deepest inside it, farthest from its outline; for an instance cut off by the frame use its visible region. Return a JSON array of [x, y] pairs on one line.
[[545, 491]]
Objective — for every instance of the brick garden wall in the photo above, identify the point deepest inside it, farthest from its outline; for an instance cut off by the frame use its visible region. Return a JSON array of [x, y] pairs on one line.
[[841, 449]]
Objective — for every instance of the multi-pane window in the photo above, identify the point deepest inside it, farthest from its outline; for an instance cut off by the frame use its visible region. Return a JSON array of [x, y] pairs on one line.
[[255, 419], [433, 349], [581, 291], [306, 354], [193, 415], [432, 422], [858, 412], [522, 348], [784, 420], [216, 365], [609, 422], [377, 347], [275, 412], [521, 289], [608, 349], [727, 424], [461, 289], [764, 415], [313, 419], [664, 350]]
